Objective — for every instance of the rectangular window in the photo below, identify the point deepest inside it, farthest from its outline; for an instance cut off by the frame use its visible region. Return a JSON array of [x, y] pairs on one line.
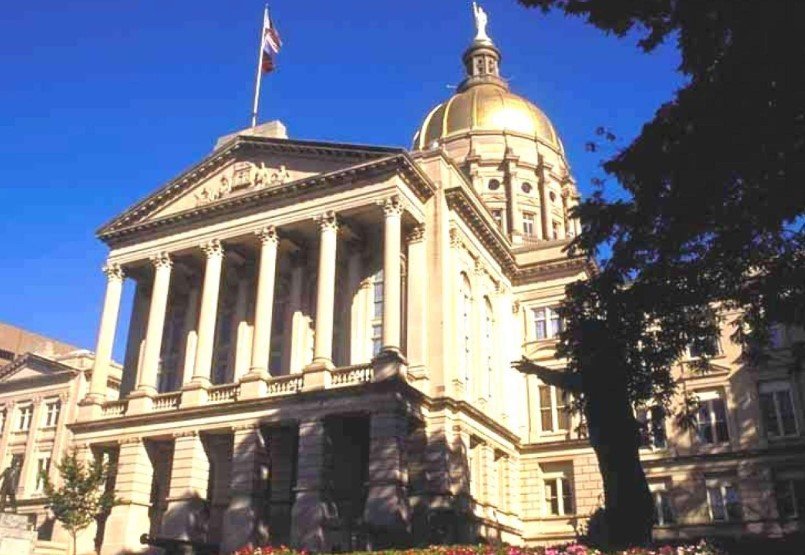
[[558, 493], [52, 411], [547, 323], [789, 490], [711, 418], [42, 469], [24, 422], [554, 407], [556, 230], [724, 502], [377, 339], [663, 508], [528, 224], [652, 427], [709, 347], [502, 467], [377, 311], [777, 406]]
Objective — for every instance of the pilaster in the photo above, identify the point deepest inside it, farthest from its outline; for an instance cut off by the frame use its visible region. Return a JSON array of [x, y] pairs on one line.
[[387, 512], [187, 515], [245, 521], [307, 515], [129, 519], [416, 350]]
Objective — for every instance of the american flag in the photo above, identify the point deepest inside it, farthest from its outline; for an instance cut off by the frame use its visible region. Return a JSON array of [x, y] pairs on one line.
[[271, 43]]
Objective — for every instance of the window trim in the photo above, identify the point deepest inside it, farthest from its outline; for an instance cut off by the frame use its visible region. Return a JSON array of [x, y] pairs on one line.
[[554, 325], [657, 490], [706, 396], [562, 479], [773, 387], [723, 484], [531, 219], [24, 409]]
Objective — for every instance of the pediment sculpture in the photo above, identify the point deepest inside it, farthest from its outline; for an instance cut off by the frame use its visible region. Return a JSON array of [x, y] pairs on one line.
[[241, 176]]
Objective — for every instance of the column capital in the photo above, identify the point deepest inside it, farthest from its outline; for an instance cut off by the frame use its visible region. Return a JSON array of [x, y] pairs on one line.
[[113, 271], [267, 234], [416, 234], [212, 248], [162, 260], [391, 206], [327, 221]]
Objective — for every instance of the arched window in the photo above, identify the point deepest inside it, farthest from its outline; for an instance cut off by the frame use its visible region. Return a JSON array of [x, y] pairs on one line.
[[489, 330], [465, 322]]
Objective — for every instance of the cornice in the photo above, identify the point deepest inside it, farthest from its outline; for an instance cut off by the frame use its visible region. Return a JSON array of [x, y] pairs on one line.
[[408, 171]]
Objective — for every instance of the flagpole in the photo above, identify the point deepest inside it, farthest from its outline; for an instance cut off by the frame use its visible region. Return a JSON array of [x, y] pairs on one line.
[[256, 103]]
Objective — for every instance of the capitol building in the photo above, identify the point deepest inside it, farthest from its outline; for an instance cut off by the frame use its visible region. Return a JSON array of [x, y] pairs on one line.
[[319, 353]]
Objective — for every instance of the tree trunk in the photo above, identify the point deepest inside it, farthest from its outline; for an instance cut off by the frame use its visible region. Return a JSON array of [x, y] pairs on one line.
[[628, 516]]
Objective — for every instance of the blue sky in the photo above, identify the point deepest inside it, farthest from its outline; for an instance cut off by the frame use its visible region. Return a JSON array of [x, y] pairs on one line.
[[101, 102]]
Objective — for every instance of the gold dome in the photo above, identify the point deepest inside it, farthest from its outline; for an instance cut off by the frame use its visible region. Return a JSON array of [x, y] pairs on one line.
[[486, 107]]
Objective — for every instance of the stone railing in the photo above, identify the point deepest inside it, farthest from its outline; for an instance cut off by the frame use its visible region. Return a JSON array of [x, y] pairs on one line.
[[167, 401], [285, 385], [352, 375], [223, 393], [114, 408]]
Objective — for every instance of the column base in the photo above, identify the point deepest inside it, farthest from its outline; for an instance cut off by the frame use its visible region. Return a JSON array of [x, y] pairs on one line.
[[388, 364], [307, 521], [317, 374], [253, 384], [186, 519], [194, 393], [125, 525]]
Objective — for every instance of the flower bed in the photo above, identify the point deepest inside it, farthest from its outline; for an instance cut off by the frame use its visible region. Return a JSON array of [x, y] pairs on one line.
[[569, 549]]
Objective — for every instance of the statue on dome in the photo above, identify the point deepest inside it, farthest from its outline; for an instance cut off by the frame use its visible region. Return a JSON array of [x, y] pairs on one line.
[[481, 19]]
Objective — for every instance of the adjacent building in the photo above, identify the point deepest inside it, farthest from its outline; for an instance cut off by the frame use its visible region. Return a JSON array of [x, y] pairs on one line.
[[39, 395], [319, 352]]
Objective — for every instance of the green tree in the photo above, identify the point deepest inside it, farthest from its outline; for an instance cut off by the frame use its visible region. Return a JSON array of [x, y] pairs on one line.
[[82, 496], [709, 213]]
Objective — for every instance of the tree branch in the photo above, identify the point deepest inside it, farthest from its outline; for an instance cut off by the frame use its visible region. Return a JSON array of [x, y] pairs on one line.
[[557, 378]]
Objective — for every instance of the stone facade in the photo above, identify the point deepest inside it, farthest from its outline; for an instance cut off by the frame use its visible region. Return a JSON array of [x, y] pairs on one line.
[[319, 352]]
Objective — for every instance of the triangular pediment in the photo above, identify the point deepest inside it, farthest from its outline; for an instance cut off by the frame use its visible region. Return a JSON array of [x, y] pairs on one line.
[[30, 366], [244, 166]]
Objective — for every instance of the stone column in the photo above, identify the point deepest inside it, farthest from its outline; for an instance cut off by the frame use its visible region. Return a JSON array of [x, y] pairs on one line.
[[129, 519], [317, 374], [186, 517], [243, 330], [387, 510], [190, 334], [298, 327], [208, 314], [545, 209], [245, 519], [392, 229], [417, 302], [264, 305], [307, 514], [147, 386], [106, 333]]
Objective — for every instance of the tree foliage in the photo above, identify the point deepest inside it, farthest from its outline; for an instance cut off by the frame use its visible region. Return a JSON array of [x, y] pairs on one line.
[[712, 218], [82, 496]]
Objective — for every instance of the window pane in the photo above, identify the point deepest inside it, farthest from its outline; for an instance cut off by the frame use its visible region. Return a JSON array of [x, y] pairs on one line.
[[734, 510], [567, 497], [769, 414], [716, 503], [551, 497], [556, 324], [786, 502], [720, 416], [788, 420], [704, 428], [658, 426], [562, 413], [641, 415]]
